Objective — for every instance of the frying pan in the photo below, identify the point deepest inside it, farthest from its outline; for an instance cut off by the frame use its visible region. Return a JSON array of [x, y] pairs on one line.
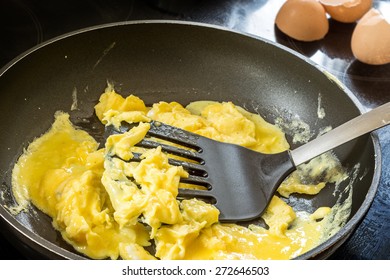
[[170, 61]]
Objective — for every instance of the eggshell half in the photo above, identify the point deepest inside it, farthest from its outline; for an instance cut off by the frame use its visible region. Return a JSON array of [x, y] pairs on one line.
[[346, 10], [303, 20], [371, 39]]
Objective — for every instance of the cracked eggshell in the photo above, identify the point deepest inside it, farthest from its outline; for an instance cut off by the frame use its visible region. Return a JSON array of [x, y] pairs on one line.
[[346, 10], [303, 20], [371, 39]]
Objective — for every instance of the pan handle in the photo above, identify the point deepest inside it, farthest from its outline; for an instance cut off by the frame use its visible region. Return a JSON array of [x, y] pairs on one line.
[[367, 122]]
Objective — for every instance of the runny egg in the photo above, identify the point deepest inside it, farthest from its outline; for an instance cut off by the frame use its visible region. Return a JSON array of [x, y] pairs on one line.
[[346, 10], [303, 20], [371, 39]]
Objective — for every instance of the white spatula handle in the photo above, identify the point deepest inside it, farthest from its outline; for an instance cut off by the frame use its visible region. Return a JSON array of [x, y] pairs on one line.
[[350, 130]]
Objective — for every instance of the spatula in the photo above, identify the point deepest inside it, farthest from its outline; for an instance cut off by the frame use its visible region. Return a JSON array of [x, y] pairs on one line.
[[241, 182]]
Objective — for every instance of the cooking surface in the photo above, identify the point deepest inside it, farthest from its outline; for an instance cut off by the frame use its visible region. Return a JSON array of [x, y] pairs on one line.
[[24, 24]]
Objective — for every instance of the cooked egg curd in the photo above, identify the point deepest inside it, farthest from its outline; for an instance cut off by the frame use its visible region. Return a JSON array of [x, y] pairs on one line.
[[108, 206]]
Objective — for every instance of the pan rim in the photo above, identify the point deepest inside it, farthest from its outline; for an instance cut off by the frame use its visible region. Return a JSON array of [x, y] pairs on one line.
[[353, 222], [344, 232]]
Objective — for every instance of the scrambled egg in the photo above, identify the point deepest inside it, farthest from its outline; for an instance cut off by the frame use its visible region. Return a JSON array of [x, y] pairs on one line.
[[108, 206]]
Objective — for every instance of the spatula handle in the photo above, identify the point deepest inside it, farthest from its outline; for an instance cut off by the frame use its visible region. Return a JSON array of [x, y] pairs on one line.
[[350, 130]]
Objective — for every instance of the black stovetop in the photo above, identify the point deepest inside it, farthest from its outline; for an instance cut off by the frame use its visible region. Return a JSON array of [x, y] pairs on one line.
[[26, 23]]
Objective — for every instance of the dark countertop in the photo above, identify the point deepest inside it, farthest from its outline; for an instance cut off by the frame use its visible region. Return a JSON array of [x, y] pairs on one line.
[[24, 24]]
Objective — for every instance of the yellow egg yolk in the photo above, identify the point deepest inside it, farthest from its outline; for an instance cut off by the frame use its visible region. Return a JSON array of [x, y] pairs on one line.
[[108, 206]]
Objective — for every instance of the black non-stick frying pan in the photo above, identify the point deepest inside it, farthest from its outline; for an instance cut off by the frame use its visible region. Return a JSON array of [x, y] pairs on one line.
[[166, 60]]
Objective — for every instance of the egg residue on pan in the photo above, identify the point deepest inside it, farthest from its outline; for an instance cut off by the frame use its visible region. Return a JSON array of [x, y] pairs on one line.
[[108, 207]]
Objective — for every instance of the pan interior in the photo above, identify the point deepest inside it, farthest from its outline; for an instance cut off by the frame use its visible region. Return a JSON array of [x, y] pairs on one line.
[[171, 62]]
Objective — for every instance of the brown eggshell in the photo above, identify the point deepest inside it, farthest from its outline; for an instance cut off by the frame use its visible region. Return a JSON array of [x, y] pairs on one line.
[[346, 10], [371, 39], [303, 20]]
